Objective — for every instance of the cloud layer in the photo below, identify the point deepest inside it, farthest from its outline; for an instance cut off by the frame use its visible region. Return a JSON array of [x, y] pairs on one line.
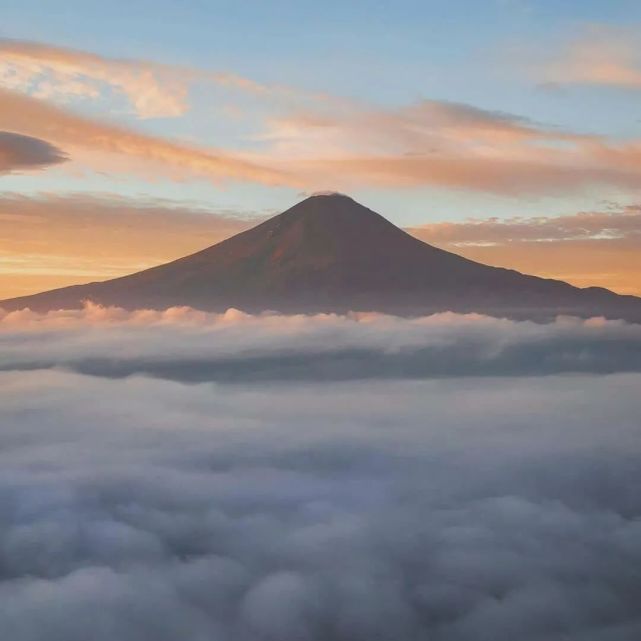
[[456, 509], [188, 345]]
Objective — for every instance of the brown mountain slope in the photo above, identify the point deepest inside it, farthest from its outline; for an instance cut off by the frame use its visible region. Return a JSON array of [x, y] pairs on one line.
[[330, 254]]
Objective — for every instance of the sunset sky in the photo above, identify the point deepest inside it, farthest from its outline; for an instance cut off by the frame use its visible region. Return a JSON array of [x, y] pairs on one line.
[[133, 133]]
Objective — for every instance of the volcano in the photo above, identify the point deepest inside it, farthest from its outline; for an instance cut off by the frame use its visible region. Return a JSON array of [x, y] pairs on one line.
[[328, 253]]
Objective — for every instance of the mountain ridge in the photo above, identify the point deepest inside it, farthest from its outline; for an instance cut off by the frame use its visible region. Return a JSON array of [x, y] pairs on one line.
[[328, 253]]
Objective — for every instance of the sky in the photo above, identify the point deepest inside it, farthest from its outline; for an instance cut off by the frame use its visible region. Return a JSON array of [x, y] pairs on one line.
[[133, 133]]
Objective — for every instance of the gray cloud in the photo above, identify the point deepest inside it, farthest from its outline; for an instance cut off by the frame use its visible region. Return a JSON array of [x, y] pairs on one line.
[[444, 498], [463, 509], [18, 152]]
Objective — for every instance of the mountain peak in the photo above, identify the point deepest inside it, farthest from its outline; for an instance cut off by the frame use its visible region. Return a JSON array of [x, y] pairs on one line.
[[333, 212], [327, 200], [329, 194], [329, 253]]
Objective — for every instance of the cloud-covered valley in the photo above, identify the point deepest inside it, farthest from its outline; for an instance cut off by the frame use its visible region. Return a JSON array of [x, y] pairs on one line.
[[297, 504], [280, 507]]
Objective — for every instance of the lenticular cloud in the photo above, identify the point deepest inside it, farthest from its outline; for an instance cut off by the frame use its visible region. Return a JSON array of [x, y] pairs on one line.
[[495, 498]]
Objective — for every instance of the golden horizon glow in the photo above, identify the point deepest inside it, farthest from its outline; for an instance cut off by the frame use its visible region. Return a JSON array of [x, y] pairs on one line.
[[52, 242]]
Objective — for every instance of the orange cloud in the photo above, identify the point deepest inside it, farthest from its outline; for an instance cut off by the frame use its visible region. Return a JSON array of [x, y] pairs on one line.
[[601, 55], [542, 173], [74, 132], [619, 224], [315, 143], [449, 145], [153, 89], [429, 126], [585, 249], [446, 145]]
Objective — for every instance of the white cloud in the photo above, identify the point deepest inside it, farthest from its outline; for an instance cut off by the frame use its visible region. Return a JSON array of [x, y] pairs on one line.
[[185, 344]]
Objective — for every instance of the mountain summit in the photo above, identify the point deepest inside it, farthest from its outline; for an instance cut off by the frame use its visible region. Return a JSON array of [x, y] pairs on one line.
[[328, 253]]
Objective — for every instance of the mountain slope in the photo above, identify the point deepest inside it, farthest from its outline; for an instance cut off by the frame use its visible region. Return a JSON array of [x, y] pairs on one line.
[[330, 254]]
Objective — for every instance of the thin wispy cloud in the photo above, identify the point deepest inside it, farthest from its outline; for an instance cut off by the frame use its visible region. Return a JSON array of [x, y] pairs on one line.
[[105, 144], [620, 224], [588, 248], [443, 144], [152, 89], [307, 141], [601, 55]]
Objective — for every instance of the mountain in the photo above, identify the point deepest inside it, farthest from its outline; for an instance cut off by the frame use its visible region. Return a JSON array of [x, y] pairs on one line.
[[330, 254]]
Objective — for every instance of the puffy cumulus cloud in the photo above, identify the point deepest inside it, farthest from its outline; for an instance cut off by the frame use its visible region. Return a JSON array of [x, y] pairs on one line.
[[49, 241], [588, 248], [467, 509], [187, 345], [152, 89], [19, 152], [101, 144]]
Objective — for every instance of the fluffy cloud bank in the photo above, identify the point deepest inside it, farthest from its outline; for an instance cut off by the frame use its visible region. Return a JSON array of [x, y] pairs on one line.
[[459, 509], [188, 345]]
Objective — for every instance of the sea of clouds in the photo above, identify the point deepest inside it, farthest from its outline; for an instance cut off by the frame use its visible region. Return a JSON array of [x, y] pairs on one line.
[[182, 476]]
